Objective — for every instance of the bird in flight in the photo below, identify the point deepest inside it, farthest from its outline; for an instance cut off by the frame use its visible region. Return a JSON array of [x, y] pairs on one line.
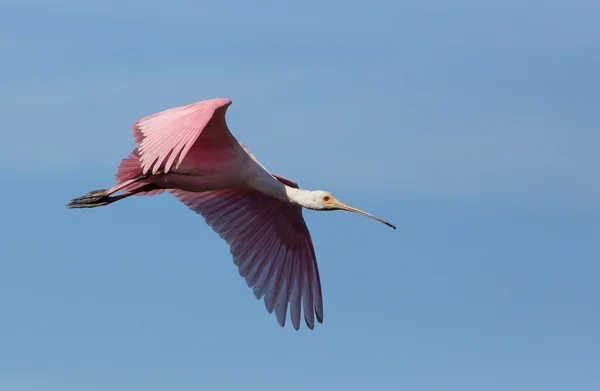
[[190, 152]]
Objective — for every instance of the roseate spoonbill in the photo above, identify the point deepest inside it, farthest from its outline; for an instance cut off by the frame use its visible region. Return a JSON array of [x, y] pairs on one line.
[[190, 152]]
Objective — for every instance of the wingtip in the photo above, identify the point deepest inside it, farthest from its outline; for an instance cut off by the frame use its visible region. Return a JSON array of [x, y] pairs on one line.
[[319, 317], [309, 324]]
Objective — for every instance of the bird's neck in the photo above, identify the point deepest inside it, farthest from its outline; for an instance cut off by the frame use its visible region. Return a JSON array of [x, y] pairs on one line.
[[300, 197], [291, 195], [267, 184]]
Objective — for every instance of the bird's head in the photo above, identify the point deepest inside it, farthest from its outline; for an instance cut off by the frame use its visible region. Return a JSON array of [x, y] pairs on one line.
[[324, 200]]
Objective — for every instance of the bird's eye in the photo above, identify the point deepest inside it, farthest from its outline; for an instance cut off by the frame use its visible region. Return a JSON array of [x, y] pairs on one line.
[[327, 198]]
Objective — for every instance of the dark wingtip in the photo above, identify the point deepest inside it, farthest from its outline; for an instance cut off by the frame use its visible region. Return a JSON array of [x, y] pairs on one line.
[[319, 316], [308, 324]]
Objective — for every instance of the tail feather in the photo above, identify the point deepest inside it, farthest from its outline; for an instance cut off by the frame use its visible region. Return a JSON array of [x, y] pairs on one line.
[[130, 181], [131, 168]]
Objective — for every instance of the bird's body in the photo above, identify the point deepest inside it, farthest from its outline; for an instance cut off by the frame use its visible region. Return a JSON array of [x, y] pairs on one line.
[[202, 171], [190, 152]]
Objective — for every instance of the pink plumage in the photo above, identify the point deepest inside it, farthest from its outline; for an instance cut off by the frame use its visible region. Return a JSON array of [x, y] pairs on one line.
[[270, 245], [190, 152], [169, 135]]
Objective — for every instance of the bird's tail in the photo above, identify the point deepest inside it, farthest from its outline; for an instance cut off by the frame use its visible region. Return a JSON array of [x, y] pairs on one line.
[[130, 181], [129, 169]]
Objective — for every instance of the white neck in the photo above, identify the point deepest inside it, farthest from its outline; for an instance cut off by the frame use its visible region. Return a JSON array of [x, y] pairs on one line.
[[300, 197], [271, 186], [291, 195]]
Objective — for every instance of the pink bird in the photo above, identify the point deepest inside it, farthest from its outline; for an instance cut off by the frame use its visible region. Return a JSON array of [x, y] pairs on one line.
[[190, 152]]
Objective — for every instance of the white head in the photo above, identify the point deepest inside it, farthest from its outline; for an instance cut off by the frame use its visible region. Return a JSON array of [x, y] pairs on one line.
[[324, 200]]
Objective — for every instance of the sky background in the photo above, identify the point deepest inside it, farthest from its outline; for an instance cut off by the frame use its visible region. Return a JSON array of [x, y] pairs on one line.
[[474, 126]]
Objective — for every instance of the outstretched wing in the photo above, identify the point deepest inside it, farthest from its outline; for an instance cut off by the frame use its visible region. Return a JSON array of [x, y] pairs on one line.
[[164, 138], [271, 246]]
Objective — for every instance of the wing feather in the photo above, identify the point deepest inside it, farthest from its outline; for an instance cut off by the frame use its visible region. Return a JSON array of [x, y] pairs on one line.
[[271, 246], [295, 297], [163, 139]]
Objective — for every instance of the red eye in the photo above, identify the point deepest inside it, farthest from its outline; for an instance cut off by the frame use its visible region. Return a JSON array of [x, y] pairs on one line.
[[326, 198]]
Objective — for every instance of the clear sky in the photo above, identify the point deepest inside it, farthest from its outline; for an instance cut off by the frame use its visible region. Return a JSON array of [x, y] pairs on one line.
[[474, 126]]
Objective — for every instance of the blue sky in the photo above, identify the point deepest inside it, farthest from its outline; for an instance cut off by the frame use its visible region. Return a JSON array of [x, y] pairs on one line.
[[472, 126]]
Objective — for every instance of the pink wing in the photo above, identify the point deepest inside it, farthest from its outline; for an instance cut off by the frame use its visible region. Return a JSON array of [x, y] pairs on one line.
[[271, 246], [165, 138], [129, 169]]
